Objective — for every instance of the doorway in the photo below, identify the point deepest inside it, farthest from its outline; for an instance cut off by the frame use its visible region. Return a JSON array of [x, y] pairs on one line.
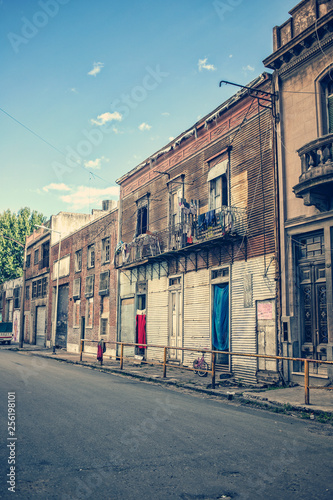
[[40, 326], [312, 295], [175, 324], [83, 329], [62, 317], [220, 322]]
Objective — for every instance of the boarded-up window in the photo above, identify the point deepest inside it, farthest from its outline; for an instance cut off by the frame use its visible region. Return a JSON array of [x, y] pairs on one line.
[[248, 290], [76, 314], [89, 313], [76, 288]]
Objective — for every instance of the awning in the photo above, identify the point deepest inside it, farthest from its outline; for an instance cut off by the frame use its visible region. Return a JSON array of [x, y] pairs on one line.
[[217, 170]]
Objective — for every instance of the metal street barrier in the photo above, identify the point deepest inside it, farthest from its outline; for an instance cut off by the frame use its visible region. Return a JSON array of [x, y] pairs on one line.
[[212, 371]]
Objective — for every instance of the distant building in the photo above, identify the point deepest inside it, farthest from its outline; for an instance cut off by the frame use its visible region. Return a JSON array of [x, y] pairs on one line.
[[303, 79], [86, 292], [37, 330], [10, 303]]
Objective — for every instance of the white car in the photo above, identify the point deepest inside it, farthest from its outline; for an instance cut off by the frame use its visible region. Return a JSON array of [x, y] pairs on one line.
[[6, 332]]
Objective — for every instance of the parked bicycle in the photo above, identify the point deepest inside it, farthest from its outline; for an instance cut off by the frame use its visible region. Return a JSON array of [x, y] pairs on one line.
[[200, 366]]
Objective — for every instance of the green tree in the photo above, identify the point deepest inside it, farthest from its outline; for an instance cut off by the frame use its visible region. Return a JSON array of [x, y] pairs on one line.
[[16, 226]]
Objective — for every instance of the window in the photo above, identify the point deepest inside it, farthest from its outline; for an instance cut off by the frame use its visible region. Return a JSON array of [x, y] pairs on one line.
[[78, 261], [142, 216], [39, 288], [91, 256], [104, 327], [326, 103], [17, 293], [218, 185], [44, 287], [218, 192], [90, 285], [76, 314], [27, 292], [220, 273], [36, 256], [89, 313], [104, 283], [174, 281], [106, 250], [28, 261], [1, 303], [45, 255], [175, 214], [76, 288]]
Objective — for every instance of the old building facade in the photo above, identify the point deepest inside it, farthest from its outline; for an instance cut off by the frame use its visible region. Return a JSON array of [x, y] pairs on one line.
[[84, 285], [10, 304], [197, 241], [303, 79]]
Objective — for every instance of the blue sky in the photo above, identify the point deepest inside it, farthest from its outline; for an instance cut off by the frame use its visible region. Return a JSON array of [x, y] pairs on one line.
[[102, 85]]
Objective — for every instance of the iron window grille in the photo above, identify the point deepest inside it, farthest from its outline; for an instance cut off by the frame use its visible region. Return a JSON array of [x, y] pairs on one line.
[[17, 293]]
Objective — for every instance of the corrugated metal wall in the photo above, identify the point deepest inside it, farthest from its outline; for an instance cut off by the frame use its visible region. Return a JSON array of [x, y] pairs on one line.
[[243, 319], [157, 316], [196, 313]]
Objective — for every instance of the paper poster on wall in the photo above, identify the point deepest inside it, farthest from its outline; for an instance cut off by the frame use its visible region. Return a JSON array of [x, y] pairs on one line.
[[16, 326], [265, 309]]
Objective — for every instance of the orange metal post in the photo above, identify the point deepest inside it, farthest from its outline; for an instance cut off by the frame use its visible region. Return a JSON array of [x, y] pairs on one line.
[[213, 370], [306, 382], [81, 348], [164, 362], [121, 355]]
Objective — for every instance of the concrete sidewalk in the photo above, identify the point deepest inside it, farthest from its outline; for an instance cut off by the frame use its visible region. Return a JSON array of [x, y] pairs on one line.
[[280, 399]]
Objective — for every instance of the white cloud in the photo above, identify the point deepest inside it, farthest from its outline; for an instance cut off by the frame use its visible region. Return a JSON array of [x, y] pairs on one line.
[[96, 69], [84, 196], [96, 164], [144, 126], [56, 187], [171, 139], [107, 117], [202, 64], [248, 68], [230, 56], [166, 114]]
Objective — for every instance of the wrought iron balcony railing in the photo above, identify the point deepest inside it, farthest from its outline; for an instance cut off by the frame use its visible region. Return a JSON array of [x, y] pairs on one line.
[[223, 223]]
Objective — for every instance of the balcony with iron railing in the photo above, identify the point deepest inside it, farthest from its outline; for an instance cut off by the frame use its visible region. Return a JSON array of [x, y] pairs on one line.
[[315, 184], [222, 225]]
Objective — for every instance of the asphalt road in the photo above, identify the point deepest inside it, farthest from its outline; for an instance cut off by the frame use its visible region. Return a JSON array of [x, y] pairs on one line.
[[85, 434]]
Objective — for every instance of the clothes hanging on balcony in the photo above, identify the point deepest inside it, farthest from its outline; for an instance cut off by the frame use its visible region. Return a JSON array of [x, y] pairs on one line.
[[141, 328], [210, 219], [202, 222]]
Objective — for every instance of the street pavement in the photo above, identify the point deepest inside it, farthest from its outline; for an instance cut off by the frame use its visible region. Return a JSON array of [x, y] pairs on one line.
[[83, 433], [321, 400]]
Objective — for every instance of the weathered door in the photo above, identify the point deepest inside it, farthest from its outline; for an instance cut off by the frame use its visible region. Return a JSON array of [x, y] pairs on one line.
[[127, 324], [62, 317], [40, 325], [175, 324]]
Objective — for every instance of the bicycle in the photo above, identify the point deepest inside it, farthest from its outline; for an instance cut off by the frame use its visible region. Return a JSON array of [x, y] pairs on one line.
[[200, 366]]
